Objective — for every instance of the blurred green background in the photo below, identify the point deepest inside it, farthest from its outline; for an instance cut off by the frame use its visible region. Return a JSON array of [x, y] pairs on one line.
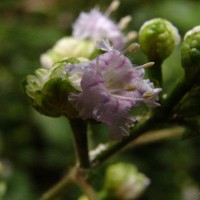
[[35, 150]]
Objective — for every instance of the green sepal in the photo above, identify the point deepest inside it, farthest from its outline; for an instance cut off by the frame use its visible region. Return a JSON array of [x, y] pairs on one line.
[[48, 90], [54, 98]]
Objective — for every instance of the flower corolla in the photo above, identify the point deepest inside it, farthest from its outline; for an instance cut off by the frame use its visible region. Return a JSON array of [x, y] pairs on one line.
[[96, 26], [110, 86]]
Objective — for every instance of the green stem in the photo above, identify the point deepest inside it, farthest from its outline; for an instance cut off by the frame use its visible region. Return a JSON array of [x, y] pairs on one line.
[[155, 73], [157, 135], [81, 180], [140, 128], [79, 129]]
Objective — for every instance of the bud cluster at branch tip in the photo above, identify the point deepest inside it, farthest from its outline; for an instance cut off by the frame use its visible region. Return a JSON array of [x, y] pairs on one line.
[[48, 89], [190, 51], [157, 38]]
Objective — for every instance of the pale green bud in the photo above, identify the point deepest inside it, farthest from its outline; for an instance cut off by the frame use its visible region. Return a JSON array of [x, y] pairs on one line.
[[124, 182], [83, 198], [68, 47], [48, 89], [190, 51], [157, 38], [3, 188], [5, 171]]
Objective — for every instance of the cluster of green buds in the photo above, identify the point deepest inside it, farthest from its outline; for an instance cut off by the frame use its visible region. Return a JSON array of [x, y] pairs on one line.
[[122, 182], [157, 38], [190, 51], [48, 89]]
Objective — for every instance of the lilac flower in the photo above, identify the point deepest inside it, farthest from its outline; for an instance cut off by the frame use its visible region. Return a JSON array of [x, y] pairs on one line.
[[95, 25], [110, 87]]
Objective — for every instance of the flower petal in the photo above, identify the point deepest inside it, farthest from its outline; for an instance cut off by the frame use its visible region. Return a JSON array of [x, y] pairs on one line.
[[97, 26], [110, 87]]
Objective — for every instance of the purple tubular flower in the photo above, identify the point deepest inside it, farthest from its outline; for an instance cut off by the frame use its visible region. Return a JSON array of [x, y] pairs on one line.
[[110, 87], [96, 26]]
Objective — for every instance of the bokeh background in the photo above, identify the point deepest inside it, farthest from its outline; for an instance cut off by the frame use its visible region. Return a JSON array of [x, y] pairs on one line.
[[35, 150]]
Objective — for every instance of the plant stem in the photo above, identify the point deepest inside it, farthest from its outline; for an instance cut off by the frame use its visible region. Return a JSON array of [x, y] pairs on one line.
[[155, 73], [81, 180], [75, 176], [157, 135], [118, 146], [79, 129], [58, 189]]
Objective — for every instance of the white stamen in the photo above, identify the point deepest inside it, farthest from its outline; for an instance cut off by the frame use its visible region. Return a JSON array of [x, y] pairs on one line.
[[132, 48], [123, 23], [149, 64], [113, 6], [148, 95], [132, 35]]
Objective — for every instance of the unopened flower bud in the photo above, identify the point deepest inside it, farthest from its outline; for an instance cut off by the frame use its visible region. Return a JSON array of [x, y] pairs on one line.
[[68, 47], [190, 51], [157, 38], [124, 182], [83, 197], [48, 90]]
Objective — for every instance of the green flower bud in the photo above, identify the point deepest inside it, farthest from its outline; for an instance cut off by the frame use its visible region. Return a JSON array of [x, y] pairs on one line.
[[49, 88], [68, 47], [3, 188], [190, 51], [157, 38], [124, 182], [83, 197], [5, 171]]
